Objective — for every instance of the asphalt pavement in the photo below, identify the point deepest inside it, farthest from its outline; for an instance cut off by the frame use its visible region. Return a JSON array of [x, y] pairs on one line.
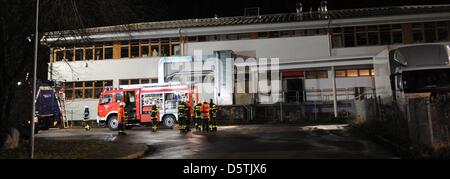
[[241, 142]]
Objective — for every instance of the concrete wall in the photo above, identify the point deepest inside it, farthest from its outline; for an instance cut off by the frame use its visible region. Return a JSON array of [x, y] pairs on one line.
[[105, 70], [75, 109], [283, 48]]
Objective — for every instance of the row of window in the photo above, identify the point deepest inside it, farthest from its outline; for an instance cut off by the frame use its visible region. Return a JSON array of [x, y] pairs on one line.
[[323, 74], [85, 89], [390, 34], [340, 37], [258, 35], [137, 81], [116, 50]]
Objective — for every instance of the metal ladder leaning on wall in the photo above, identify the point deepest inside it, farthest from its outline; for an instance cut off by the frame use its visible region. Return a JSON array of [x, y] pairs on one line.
[[60, 96]]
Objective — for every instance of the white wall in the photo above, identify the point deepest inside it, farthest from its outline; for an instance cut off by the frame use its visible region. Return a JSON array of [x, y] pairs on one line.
[[283, 48], [357, 51], [75, 109], [106, 70]]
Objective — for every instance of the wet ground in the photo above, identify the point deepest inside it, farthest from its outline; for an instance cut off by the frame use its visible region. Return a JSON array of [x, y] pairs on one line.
[[243, 142]]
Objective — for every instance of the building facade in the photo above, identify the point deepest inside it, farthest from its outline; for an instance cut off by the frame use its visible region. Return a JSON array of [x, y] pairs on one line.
[[323, 56]]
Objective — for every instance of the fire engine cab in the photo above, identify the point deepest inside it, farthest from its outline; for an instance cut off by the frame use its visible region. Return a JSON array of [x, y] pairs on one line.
[[139, 100]]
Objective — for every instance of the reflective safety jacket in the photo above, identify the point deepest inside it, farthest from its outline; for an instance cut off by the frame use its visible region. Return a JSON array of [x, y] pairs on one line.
[[197, 111], [213, 111]]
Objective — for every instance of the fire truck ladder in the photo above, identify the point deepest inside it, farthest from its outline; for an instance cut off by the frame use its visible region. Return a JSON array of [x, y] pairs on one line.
[[62, 107]]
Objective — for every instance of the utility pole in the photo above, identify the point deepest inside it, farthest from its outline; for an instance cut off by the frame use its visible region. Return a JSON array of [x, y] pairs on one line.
[[36, 43]]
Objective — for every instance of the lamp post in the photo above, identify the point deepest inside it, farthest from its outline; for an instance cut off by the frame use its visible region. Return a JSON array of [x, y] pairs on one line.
[[36, 43]]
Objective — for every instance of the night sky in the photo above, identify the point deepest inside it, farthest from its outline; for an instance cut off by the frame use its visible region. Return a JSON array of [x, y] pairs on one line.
[[207, 8]]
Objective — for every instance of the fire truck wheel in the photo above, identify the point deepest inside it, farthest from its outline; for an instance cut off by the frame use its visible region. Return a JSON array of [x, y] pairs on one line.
[[169, 121], [113, 123]]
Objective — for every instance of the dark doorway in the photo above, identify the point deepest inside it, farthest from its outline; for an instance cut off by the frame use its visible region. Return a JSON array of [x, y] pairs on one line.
[[294, 91]]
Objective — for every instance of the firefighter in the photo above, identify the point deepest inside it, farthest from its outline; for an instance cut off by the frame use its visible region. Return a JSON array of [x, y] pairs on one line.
[[122, 119], [197, 116], [86, 119], [182, 116], [154, 116], [204, 109], [213, 116]]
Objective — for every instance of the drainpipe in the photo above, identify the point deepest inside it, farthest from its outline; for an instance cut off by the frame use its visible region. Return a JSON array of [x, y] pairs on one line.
[[333, 78]]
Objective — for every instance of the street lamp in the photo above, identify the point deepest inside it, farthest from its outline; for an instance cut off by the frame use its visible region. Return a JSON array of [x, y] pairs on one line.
[[36, 43]]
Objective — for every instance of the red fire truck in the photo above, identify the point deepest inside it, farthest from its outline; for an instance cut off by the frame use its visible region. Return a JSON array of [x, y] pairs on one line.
[[139, 100]]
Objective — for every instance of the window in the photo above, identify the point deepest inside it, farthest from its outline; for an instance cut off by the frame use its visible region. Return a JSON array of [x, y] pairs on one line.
[[385, 35], [154, 80], [341, 73], [155, 48], [352, 73], [106, 99], [245, 36], [145, 49], [99, 52], [274, 34], [89, 89], [124, 82], [202, 38], [98, 88], [134, 49], [59, 55], [68, 90], [336, 41], [108, 53], [430, 32], [373, 35], [78, 90], [176, 50], [89, 53], [285, 33], [372, 72], [134, 82], [361, 35], [263, 35], [349, 37], [364, 72], [299, 33], [192, 39], [124, 49], [212, 38], [232, 37], [165, 48], [119, 97], [78, 54], [145, 81], [69, 54], [397, 37], [316, 74]]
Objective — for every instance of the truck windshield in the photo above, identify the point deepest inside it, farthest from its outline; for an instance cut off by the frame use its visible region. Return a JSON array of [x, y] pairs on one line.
[[433, 80], [105, 99]]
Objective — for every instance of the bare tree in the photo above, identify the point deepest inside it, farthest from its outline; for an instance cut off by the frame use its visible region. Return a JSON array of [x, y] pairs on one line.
[[17, 25]]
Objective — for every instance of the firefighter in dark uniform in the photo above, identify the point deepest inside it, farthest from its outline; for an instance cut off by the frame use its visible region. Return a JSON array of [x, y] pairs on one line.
[[86, 119], [154, 117], [213, 116], [183, 116], [197, 116], [121, 119]]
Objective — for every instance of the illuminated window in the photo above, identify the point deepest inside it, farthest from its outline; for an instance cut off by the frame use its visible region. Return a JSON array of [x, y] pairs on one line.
[[352, 73], [364, 72], [341, 73]]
